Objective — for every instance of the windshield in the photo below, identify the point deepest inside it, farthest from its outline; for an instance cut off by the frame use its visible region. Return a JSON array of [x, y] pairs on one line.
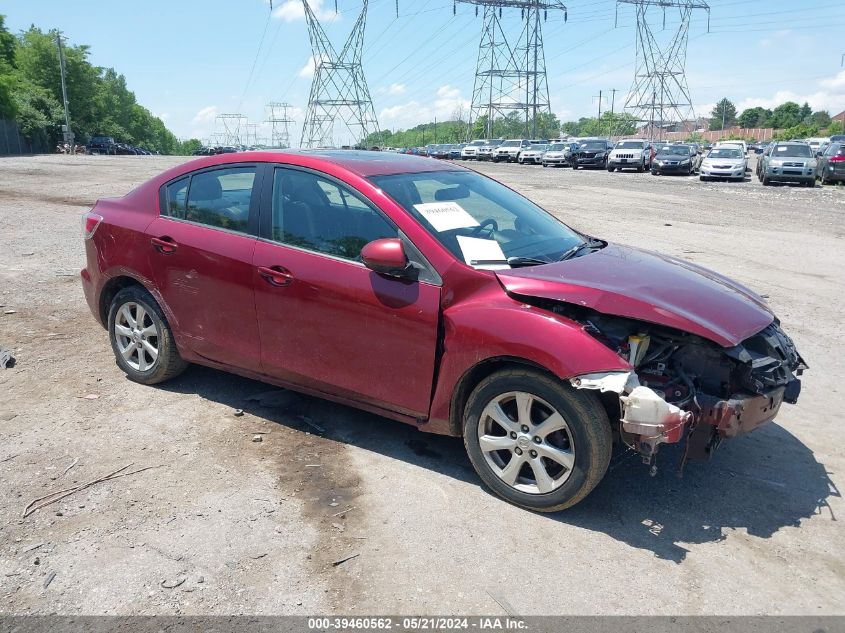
[[538, 148], [593, 145], [792, 150], [675, 150], [557, 147], [629, 145], [725, 152], [510, 144], [477, 143], [480, 221]]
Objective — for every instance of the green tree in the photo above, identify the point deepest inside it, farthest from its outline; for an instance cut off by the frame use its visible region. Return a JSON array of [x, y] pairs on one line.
[[834, 128], [802, 130], [786, 115], [723, 115], [805, 113], [754, 117], [820, 118]]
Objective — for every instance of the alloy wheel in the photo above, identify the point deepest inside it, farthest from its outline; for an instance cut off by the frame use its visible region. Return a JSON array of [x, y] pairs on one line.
[[137, 336], [526, 442]]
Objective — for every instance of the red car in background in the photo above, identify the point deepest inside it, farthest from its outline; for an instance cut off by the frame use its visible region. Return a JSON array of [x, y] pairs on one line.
[[428, 293]]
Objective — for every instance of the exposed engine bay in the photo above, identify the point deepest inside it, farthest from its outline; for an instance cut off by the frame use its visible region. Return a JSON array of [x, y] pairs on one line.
[[683, 385]]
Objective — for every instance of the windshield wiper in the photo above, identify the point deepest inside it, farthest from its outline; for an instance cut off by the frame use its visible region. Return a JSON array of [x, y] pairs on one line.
[[510, 261], [573, 252]]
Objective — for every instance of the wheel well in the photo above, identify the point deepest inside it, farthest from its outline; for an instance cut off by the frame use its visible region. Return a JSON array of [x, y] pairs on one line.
[[477, 373], [470, 380], [112, 287]]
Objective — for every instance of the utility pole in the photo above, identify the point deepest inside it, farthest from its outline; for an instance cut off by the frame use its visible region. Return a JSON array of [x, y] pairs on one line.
[[599, 98], [68, 133], [613, 102], [723, 104]]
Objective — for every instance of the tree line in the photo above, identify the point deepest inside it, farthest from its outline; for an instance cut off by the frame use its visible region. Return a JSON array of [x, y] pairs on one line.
[[100, 102], [791, 119]]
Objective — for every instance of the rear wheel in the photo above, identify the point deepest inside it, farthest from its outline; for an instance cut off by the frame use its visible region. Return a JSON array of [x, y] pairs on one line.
[[765, 180], [141, 338], [535, 441]]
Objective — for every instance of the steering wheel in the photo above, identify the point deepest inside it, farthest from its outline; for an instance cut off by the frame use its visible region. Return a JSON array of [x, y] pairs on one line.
[[488, 222]]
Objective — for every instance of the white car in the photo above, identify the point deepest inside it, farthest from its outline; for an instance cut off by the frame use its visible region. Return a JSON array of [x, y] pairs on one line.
[[724, 161], [741, 144], [533, 154], [630, 153], [470, 152], [510, 149]]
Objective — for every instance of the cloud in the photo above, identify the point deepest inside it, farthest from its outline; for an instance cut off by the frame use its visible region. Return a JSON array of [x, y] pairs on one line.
[[834, 83], [292, 10], [411, 113], [308, 69], [396, 89], [205, 116]]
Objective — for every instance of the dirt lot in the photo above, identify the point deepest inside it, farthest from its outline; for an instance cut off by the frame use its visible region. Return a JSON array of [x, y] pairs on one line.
[[220, 524]]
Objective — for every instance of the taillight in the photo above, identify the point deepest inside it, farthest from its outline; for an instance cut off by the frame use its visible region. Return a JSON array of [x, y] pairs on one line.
[[90, 222], [836, 159]]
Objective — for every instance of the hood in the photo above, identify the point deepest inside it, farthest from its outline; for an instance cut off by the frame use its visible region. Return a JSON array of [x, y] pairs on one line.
[[724, 161], [677, 157], [638, 284]]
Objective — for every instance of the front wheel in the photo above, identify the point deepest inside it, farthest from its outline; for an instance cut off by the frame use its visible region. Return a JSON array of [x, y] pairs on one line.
[[141, 338], [535, 441]]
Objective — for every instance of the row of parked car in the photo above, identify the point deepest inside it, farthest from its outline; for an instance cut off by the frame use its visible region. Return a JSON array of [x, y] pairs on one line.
[[107, 145], [796, 161]]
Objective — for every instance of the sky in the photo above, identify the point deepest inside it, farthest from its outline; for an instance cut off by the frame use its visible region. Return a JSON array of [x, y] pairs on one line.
[[191, 60]]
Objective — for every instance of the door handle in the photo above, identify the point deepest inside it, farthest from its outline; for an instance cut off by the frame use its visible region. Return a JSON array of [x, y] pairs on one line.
[[276, 275], [164, 245]]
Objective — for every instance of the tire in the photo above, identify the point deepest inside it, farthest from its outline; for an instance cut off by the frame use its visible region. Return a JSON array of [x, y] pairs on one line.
[[641, 168], [611, 169], [702, 178], [765, 180], [583, 441], [167, 363], [574, 165]]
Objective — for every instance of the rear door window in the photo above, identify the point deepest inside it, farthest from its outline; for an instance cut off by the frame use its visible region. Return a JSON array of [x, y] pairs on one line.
[[176, 194], [221, 198]]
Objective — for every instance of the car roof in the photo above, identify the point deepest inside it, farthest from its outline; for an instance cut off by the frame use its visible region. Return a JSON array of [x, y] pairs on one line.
[[362, 163]]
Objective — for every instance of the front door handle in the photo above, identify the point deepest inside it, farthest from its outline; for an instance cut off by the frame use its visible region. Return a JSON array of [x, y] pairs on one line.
[[276, 275], [164, 245]]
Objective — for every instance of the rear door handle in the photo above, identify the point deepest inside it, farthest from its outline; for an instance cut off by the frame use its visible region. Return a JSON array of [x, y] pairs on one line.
[[164, 245], [276, 275]]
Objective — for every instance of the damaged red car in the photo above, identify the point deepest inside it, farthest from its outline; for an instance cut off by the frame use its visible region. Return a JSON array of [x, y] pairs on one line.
[[428, 293]]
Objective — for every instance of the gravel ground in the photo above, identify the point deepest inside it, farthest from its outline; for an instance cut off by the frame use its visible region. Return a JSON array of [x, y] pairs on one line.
[[220, 524]]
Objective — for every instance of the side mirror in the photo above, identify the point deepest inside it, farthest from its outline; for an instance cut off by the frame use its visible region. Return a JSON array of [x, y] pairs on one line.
[[386, 257]]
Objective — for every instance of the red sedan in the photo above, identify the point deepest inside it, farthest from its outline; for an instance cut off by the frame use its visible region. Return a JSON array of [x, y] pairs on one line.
[[428, 293]]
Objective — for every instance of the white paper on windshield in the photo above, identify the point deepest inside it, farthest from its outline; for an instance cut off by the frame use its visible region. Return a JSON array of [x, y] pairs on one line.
[[482, 254], [445, 216]]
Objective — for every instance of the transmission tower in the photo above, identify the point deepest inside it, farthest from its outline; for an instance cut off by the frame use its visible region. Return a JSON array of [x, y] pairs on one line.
[[659, 93], [511, 75], [234, 127], [279, 124], [339, 90]]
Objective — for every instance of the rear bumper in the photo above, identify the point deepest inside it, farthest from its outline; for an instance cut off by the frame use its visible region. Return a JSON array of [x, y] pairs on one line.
[[90, 293]]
